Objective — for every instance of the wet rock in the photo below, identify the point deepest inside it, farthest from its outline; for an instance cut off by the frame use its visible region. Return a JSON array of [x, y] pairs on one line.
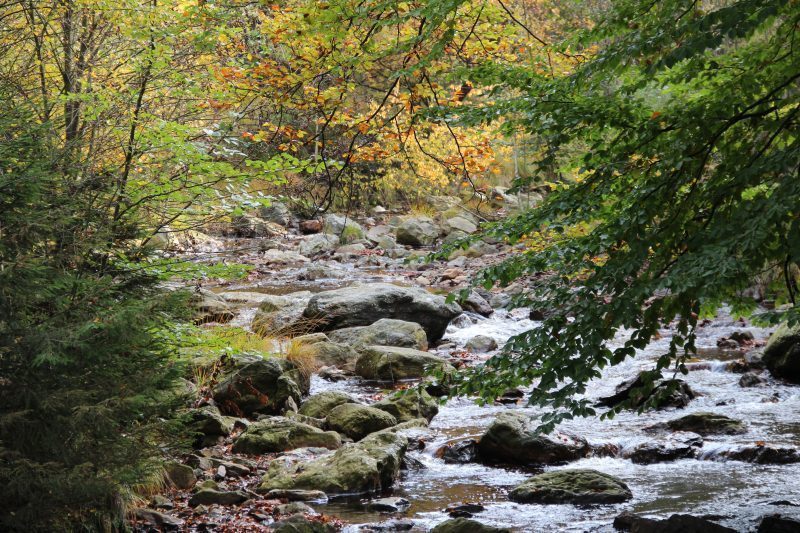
[[459, 452], [464, 510], [297, 495], [318, 244], [310, 227], [357, 421], [409, 405], [477, 304], [481, 344], [388, 505], [332, 373], [215, 497], [678, 446], [782, 353], [677, 523], [465, 525], [510, 396], [511, 438], [367, 466], [417, 231], [704, 423], [390, 526], [162, 521], [280, 434], [776, 523], [179, 475], [344, 228], [579, 486], [300, 524], [243, 298], [384, 332], [257, 385], [319, 405], [665, 393], [210, 307], [362, 305], [284, 257], [751, 379], [388, 363], [763, 455]]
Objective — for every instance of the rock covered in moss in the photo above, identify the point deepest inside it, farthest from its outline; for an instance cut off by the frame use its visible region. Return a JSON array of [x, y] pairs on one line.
[[466, 525], [782, 353], [389, 363], [409, 405], [256, 385], [280, 434], [384, 332], [357, 421], [578, 486], [705, 423], [319, 405]]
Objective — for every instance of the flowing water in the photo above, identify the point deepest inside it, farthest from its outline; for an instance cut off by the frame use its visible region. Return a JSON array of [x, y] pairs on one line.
[[736, 493]]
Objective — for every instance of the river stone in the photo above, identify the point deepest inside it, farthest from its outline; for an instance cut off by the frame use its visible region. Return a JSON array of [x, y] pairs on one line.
[[477, 304], [776, 523], [481, 344], [417, 231], [318, 244], [210, 307], [210, 422], [298, 523], [409, 405], [677, 523], [465, 525], [363, 305], [704, 423], [370, 465], [627, 391], [332, 354], [389, 363], [388, 505], [163, 522], [384, 332], [578, 486], [281, 315], [279, 434], [763, 455], [460, 224], [682, 445], [179, 475], [257, 385], [782, 353], [297, 495], [511, 438], [277, 213], [345, 229], [319, 405], [459, 452], [357, 421], [216, 497]]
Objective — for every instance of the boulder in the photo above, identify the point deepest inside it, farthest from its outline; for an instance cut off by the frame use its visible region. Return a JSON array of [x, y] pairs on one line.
[[179, 475], [389, 363], [459, 452], [512, 438], [677, 523], [257, 385], [368, 466], [443, 203], [465, 525], [297, 495], [277, 213], [319, 405], [384, 332], [279, 434], [216, 497], [782, 353], [409, 405], [308, 227], [332, 354], [318, 244], [363, 305], [210, 307], [481, 344], [460, 224], [578, 486], [704, 423], [281, 315], [283, 257], [664, 393], [388, 505], [345, 229], [298, 523], [751, 379], [357, 421], [163, 522], [776, 523], [763, 455], [417, 231], [477, 304], [677, 446], [209, 422]]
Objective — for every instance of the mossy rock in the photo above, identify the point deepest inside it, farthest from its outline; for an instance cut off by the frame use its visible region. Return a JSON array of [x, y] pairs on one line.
[[215, 497], [332, 354], [704, 423], [256, 385], [368, 466], [279, 434], [782, 353], [389, 363], [301, 524], [320, 405], [409, 405], [384, 332], [357, 421], [578, 486], [180, 475], [465, 525]]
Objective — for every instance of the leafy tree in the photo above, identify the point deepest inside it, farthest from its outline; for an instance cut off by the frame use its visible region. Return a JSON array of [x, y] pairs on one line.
[[680, 123]]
